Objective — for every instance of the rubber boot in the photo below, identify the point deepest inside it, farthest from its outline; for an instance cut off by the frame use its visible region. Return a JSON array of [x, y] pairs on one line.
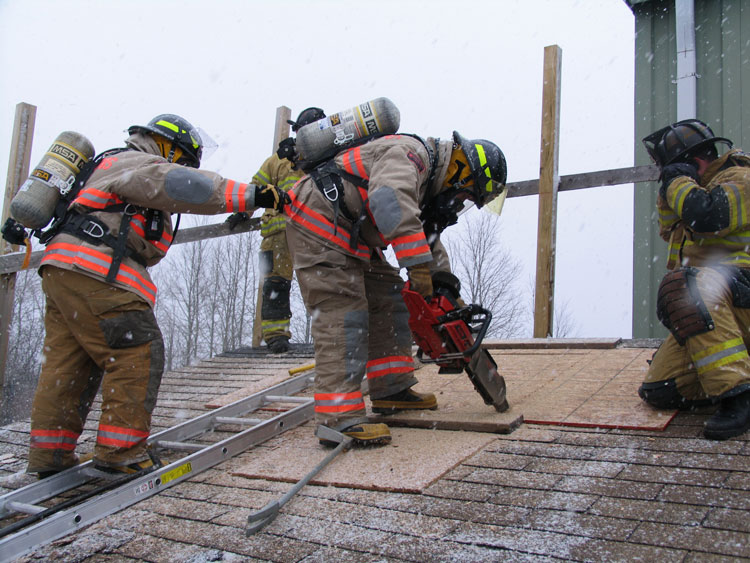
[[279, 345], [405, 400], [731, 419], [364, 433]]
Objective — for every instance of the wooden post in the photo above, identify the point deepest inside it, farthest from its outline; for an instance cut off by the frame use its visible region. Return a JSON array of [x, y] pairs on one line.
[[281, 132], [549, 181], [18, 170]]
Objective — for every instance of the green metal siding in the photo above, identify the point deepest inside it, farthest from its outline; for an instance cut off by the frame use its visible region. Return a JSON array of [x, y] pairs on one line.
[[655, 105], [722, 43]]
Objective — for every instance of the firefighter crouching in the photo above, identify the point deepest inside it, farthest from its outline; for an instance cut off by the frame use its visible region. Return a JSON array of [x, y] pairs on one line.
[[100, 327], [399, 190], [704, 300]]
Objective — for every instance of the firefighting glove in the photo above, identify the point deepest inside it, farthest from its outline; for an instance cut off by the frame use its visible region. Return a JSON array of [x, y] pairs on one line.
[[14, 232], [675, 170], [421, 280], [236, 218], [271, 197]]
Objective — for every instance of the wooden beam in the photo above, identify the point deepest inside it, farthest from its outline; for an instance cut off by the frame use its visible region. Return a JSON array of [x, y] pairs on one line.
[[280, 132], [549, 181], [18, 171]]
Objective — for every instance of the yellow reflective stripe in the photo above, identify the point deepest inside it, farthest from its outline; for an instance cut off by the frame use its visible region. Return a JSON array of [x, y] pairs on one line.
[[734, 208], [719, 355], [278, 325], [483, 164], [168, 125], [261, 178], [680, 193], [176, 129]]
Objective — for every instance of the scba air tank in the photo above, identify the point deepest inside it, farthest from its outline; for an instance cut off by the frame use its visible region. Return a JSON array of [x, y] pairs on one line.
[[34, 204], [324, 138]]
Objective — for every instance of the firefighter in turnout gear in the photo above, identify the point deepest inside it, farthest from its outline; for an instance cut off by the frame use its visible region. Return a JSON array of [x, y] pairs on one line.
[[101, 331], [704, 300], [275, 263], [397, 190]]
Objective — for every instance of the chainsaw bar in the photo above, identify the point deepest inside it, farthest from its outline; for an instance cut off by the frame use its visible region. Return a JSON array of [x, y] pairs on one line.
[[490, 385]]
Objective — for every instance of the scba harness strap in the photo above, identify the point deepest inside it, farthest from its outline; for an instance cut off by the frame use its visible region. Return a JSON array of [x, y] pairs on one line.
[[328, 179], [90, 229]]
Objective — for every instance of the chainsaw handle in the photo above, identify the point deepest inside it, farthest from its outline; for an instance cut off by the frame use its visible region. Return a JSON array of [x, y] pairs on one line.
[[472, 310]]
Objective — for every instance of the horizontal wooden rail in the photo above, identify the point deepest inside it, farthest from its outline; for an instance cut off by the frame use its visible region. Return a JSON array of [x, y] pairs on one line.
[[12, 262]]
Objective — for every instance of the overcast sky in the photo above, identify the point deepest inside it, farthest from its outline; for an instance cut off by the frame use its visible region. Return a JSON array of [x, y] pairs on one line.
[[97, 67]]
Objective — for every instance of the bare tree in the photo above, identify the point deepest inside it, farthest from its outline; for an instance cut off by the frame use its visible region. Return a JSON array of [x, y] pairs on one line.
[[488, 272], [26, 338]]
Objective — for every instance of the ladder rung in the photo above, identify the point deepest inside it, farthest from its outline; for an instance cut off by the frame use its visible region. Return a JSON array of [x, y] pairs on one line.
[[24, 507], [235, 420], [180, 446], [285, 399]]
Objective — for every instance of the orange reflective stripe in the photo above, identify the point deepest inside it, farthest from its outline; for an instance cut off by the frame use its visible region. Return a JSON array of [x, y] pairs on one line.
[[119, 437], [98, 262], [352, 160], [234, 195], [54, 439], [339, 402], [137, 224], [97, 199], [389, 365], [318, 224], [410, 245]]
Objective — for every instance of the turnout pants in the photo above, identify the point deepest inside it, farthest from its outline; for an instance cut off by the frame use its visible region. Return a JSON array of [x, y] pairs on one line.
[[276, 270], [97, 336], [359, 324], [710, 366]]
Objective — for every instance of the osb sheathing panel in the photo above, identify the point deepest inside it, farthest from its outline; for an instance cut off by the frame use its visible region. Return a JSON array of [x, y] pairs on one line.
[[414, 459], [594, 388]]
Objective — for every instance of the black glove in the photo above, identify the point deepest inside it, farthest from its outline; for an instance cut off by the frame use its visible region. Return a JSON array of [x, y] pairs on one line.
[[236, 218], [271, 197], [287, 149], [674, 170], [14, 232]]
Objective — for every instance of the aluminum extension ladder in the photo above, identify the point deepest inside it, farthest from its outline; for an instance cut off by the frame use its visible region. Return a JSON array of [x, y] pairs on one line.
[[62, 522]]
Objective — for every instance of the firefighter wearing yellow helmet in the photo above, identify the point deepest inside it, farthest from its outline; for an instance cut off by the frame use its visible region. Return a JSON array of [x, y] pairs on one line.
[[101, 332], [704, 300], [397, 190]]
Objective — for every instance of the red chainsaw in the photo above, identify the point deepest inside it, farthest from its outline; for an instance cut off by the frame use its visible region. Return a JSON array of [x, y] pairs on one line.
[[444, 331]]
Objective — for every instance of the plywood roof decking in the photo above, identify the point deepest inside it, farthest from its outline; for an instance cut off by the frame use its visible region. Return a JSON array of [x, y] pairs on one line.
[[541, 493]]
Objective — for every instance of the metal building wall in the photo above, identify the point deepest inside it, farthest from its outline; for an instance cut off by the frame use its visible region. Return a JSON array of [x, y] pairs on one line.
[[722, 42]]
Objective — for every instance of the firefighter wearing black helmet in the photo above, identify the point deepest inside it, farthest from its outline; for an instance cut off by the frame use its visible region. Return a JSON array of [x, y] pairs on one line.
[[101, 332], [400, 191], [275, 263], [704, 300]]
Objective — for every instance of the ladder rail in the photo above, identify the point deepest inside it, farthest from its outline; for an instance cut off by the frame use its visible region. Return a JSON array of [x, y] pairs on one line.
[[73, 519], [50, 487]]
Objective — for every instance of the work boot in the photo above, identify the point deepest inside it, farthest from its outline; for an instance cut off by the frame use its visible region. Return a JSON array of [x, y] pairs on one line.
[[731, 419], [278, 345], [144, 466], [406, 400], [364, 434], [50, 472]]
